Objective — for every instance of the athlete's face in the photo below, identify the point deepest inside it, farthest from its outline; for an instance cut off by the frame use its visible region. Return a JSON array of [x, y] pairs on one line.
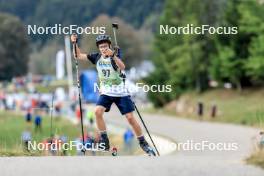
[[103, 48]]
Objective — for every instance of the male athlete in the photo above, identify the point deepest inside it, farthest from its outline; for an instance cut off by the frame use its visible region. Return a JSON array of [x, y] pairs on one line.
[[112, 88]]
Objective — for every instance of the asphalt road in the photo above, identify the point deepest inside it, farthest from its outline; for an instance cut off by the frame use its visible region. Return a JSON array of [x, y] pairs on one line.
[[184, 163]]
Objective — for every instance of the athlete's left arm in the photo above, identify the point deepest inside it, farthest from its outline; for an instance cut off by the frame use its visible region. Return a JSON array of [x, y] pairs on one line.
[[119, 63], [117, 60]]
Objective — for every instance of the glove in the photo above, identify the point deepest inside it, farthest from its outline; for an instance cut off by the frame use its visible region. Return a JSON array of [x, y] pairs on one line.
[[116, 51], [74, 38]]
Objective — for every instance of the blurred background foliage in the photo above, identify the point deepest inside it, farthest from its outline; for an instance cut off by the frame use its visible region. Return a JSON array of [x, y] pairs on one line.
[[138, 19], [187, 62], [190, 62]]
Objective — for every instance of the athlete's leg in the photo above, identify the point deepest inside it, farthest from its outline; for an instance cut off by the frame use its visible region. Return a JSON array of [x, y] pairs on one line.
[[103, 104], [134, 124], [126, 107], [137, 130], [99, 112]]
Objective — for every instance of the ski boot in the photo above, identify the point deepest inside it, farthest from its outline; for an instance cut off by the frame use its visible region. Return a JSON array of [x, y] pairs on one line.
[[106, 145], [146, 148]]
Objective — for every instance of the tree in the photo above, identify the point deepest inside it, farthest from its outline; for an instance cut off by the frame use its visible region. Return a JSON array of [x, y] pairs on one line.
[[14, 47], [184, 59], [251, 24], [79, 12], [255, 64], [44, 61], [239, 58]]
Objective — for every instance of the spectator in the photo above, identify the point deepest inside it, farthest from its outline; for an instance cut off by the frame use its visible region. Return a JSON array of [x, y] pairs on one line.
[[261, 141], [28, 117], [200, 109], [64, 139], [213, 111], [78, 113], [38, 123], [58, 108], [128, 140], [26, 138], [90, 116]]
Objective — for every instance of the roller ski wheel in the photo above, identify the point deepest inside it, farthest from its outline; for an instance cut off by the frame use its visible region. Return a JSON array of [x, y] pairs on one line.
[[147, 149], [151, 152], [114, 151]]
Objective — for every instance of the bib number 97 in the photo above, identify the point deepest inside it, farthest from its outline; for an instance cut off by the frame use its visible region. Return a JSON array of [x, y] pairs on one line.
[[106, 72]]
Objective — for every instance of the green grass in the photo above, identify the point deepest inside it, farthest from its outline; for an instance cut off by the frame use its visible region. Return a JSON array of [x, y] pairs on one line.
[[245, 107], [12, 125], [257, 159]]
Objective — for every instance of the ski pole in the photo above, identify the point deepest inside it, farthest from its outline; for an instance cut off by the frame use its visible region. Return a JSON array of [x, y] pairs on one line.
[[51, 115], [79, 89], [115, 27], [141, 119]]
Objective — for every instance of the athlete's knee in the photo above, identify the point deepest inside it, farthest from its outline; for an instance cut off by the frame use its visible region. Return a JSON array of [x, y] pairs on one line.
[[99, 112], [130, 118]]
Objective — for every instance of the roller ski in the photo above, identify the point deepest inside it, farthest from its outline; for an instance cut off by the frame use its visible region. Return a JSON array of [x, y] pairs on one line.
[[104, 146], [112, 151], [146, 148]]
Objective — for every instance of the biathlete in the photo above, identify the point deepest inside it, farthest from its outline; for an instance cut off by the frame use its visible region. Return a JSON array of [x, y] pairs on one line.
[[112, 88]]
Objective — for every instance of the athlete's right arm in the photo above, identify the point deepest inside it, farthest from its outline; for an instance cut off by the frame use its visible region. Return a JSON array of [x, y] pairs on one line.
[[79, 55]]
